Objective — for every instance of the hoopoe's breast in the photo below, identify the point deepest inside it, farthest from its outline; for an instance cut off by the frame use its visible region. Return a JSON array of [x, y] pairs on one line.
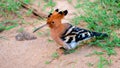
[[74, 35]]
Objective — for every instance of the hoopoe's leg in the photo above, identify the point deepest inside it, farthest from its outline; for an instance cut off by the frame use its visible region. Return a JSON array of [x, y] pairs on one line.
[[61, 50], [64, 47]]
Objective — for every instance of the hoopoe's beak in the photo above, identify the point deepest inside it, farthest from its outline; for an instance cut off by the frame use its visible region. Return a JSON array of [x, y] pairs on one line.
[[39, 28]]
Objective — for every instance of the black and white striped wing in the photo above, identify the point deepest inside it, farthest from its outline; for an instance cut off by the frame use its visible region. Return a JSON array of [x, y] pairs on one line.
[[76, 34]]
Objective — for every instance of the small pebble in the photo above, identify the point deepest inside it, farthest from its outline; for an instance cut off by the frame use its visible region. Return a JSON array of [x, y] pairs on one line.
[[24, 36]]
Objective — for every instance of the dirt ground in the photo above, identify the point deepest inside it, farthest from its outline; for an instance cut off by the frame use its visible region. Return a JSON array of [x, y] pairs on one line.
[[34, 53]]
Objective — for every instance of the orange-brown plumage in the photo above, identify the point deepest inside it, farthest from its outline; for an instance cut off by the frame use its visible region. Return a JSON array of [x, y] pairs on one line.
[[57, 28]]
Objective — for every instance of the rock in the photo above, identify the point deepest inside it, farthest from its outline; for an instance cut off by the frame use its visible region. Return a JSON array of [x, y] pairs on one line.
[[24, 36]]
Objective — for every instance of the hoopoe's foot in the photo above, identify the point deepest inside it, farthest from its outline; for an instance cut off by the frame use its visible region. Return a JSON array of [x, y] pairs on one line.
[[62, 50]]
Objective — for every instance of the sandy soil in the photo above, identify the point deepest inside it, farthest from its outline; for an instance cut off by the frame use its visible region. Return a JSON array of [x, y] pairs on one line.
[[34, 53]]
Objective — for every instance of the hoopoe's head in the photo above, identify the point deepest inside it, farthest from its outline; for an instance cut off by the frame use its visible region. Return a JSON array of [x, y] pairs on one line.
[[54, 19]]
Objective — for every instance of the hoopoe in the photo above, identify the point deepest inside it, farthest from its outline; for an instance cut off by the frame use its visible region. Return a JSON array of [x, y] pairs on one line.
[[65, 34]]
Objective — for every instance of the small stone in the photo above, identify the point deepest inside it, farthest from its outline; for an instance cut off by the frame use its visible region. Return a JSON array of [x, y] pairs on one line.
[[19, 37], [24, 36]]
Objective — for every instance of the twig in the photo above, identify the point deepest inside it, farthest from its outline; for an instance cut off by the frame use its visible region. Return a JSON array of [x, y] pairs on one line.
[[34, 11]]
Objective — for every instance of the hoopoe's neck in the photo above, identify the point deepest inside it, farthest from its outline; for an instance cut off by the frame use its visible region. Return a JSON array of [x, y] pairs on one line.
[[60, 29]]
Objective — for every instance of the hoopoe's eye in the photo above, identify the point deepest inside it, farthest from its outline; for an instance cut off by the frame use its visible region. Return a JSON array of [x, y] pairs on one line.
[[52, 22]]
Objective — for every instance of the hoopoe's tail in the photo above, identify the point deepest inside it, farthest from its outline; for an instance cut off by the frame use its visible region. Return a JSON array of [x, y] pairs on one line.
[[100, 35]]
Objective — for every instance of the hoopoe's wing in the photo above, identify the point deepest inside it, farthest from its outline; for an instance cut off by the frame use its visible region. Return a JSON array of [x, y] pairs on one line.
[[76, 34]]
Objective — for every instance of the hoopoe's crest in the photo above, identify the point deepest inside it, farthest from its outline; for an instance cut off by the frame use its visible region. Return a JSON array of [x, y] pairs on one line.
[[54, 19]]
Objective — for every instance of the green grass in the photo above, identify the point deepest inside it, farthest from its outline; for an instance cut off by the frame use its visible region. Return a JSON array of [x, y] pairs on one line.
[[47, 62], [21, 29], [95, 53], [104, 62], [69, 1], [39, 33], [90, 65], [10, 10], [29, 12], [70, 51], [55, 55], [10, 6], [101, 16], [8, 24], [49, 4], [50, 40]]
